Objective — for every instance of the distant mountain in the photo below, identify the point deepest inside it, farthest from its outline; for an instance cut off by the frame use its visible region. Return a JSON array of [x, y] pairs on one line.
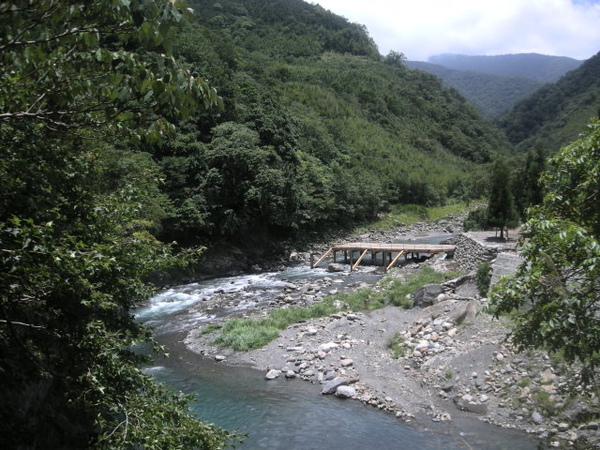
[[492, 95], [541, 68], [557, 113]]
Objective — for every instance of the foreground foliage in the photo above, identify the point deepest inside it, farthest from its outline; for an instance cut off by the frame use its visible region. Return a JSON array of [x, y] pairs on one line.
[[557, 289], [77, 210]]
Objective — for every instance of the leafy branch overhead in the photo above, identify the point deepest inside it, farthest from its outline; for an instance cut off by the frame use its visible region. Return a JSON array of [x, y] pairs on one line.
[[78, 210], [90, 64]]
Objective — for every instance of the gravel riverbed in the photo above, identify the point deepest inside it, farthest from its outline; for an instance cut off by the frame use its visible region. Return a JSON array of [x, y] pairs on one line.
[[452, 359]]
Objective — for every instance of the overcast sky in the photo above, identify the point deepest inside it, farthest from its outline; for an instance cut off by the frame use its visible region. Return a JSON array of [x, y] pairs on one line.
[[422, 28]]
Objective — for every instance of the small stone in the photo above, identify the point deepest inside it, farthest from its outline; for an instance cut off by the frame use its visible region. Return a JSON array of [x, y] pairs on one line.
[[563, 426], [345, 392], [499, 357], [347, 362], [290, 374], [422, 345], [220, 358], [272, 374], [537, 418], [328, 346]]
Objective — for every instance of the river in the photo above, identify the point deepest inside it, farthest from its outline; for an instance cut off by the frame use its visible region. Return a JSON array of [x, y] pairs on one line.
[[288, 414]]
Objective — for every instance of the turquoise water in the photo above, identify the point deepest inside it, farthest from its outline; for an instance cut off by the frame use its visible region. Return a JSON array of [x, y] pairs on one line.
[[290, 414]]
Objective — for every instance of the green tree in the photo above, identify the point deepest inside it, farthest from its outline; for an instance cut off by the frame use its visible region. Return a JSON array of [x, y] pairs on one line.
[[557, 289], [102, 64], [76, 213], [501, 206], [527, 189]]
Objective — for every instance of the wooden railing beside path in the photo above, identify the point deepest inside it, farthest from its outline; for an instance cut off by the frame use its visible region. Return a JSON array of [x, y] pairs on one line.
[[390, 252]]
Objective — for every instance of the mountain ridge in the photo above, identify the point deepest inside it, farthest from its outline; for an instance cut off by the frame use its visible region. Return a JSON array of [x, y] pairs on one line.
[[535, 66]]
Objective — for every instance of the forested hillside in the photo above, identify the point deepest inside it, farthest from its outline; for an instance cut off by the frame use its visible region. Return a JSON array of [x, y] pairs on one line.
[[492, 95], [557, 113], [318, 131], [536, 67]]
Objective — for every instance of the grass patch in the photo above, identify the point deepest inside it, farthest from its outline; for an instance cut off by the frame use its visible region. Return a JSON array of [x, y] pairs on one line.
[[397, 345], [543, 402], [410, 214], [248, 334], [399, 293], [524, 382], [210, 328]]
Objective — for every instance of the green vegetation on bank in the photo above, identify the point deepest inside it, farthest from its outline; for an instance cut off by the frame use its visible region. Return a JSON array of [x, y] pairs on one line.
[[318, 132], [252, 333], [410, 214]]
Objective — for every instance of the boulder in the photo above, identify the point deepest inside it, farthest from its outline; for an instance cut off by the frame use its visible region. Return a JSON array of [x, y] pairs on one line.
[[272, 374], [537, 418], [345, 392], [467, 403], [427, 295], [336, 267], [330, 387]]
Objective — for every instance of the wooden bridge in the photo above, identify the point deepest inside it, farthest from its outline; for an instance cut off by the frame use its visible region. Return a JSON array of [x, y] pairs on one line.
[[391, 253]]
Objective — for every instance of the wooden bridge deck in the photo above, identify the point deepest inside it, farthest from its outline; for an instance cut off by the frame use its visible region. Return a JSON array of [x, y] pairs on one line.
[[385, 249]]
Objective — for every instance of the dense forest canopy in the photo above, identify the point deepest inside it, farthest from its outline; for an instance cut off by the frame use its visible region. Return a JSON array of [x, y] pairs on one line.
[[491, 94], [337, 132], [557, 113], [81, 85]]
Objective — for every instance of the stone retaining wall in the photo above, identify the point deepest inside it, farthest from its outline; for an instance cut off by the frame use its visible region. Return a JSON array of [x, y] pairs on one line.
[[470, 253]]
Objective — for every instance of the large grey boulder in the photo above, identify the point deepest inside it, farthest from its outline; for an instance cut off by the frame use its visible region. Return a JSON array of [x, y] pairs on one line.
[[427, 295], [330, 387], [336, 267]]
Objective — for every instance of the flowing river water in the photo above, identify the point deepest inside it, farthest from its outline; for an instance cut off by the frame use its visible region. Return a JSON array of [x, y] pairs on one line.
[[288, 414]]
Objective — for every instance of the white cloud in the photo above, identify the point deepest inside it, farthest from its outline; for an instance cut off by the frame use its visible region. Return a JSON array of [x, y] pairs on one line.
[[421, 28]]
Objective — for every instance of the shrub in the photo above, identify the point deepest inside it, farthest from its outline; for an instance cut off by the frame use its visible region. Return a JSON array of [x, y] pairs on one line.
[[397, 345], [483, 278], [476, 220]]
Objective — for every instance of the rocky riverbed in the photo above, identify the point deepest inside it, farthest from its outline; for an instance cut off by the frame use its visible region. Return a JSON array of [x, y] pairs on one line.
[[438, 361]]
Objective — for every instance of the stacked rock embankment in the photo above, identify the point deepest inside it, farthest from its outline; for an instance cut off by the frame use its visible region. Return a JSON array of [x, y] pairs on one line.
[[474, 248]]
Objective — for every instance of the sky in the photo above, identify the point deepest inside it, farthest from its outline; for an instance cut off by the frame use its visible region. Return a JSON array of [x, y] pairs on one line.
[[422, 28]]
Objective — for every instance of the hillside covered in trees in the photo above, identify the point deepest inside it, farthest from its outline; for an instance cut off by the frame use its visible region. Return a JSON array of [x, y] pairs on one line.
[[491, 94], [318, 130], [495, 84], [557, 113]]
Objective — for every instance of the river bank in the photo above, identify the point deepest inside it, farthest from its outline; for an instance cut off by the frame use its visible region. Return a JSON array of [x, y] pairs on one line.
[[453, 360]]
